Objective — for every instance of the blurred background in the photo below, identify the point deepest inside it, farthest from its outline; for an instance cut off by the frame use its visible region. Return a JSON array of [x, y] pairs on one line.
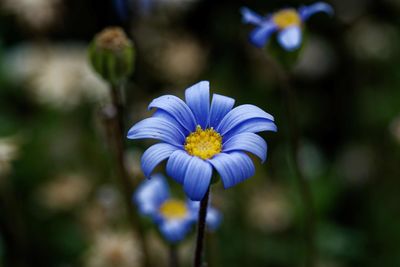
[[59, 202]]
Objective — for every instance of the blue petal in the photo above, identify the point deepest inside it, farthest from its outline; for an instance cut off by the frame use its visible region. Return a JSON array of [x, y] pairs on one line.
[[157, 128], [290, 38], [251, 126], [233, 168], [249, 16], [166, 116], [177, 108], [260, 35], [197, 178], [307, 11], [175, 230], [220, 106], [194, 207], [248, 142], [122, 9], [145, 6], [213, 219], [177, 165], [151, 194], [198, 99], [239, 115], [154, 155]]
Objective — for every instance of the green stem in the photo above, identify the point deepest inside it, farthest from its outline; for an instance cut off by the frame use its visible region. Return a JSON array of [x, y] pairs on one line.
[[116, 134], [304, 187], [13, 227]]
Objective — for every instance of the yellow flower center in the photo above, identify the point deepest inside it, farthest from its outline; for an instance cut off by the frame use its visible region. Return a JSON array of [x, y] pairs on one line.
[[286, 18], [173, 209], [203, 143]]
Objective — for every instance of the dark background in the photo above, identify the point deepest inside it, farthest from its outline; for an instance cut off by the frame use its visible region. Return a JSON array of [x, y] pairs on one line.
[[59, 203]]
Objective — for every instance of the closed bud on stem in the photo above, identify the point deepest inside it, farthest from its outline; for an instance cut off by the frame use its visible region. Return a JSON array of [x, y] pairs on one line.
[[112, 55]]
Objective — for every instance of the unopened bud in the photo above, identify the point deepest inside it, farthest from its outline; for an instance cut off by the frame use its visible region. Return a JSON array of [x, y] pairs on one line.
[[112, 55]]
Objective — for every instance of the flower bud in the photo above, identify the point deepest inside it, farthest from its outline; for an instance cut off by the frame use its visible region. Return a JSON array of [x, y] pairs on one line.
[[112, 55]]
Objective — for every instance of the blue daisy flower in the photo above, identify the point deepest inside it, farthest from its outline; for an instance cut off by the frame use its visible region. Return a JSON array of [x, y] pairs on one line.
[[286, 22], [174, 217], [198, 138]]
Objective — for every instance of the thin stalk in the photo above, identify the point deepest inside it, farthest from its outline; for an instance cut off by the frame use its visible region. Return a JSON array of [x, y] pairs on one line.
[[116, 134], [304, 187], [12, 227], [201, 227], [173, 256]]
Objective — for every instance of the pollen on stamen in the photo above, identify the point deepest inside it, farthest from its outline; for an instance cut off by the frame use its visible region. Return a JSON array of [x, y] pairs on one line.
[[203, 143], [286, 18], [173, 209]]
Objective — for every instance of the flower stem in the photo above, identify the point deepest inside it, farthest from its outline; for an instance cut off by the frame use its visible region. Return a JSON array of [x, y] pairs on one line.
[[304, 187], [13, 227], [201, 227], [173, 256], [115, 132]]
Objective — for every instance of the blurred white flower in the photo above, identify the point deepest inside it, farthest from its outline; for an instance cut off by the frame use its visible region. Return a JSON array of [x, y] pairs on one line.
[[175, 58], [316, 60], [182, 59], [36, 14], [64, 192], [8, 152], [57, 75], [395, 129], [373, 40], [114, 249], [269, 210]]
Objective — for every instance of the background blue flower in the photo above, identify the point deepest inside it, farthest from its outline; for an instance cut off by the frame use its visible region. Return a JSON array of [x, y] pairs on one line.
[[175, 218], [198, 137], [286, 22]]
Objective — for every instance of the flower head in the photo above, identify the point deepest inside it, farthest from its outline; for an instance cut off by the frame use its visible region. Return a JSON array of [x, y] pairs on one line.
[[286, 22], [112, 55], [198, 137], [174, 217], [117, 249]]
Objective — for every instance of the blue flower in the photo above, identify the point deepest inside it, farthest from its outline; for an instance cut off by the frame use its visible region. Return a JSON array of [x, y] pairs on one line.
[[198, 137], [286, 22], [174, 217], [124, 8]]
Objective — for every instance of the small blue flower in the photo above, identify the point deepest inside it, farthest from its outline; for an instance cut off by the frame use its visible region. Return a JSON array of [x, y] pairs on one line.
[[286, 22], [198, 137], [124, 8], [174, 217]]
